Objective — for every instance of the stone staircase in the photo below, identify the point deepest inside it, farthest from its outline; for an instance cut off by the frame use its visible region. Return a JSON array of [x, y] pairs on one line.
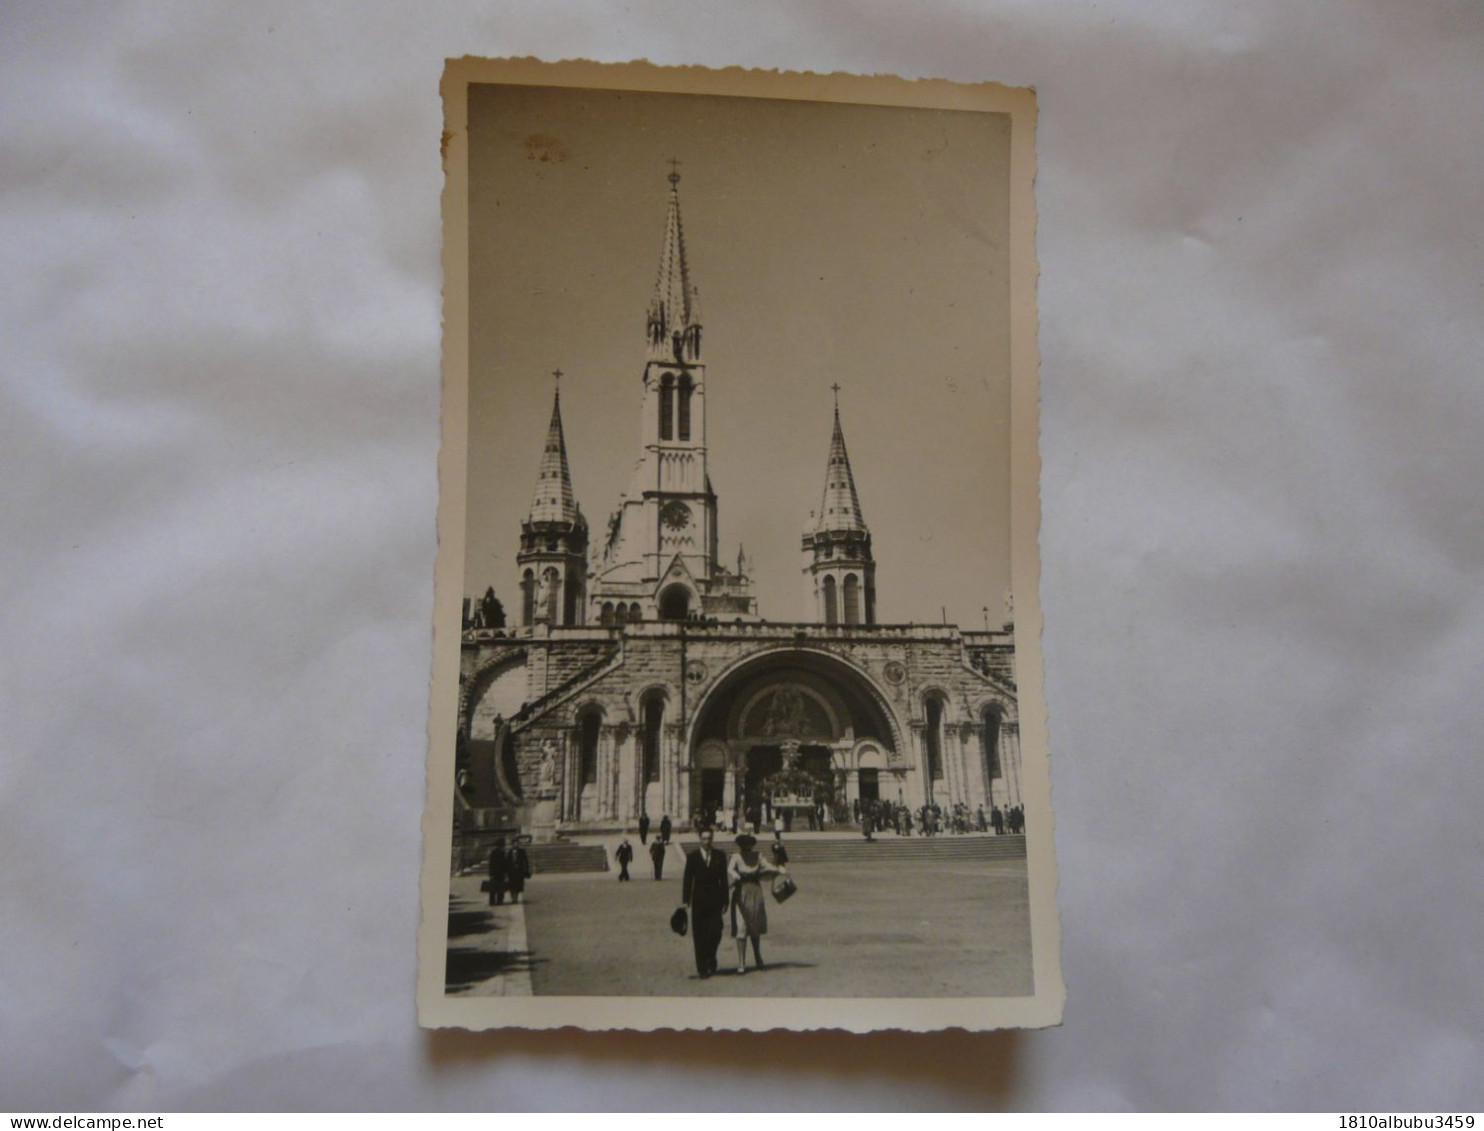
[[887, 848], [560, 857]]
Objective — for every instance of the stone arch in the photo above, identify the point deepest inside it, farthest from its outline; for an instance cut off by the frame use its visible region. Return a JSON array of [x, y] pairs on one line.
[[828, 664], [528, 597], [851, 600], [654, 710], [831, 607], [667, 406], [589, 724], [991, 719], [687, 387], [935, 703], [868, 755], [675, 601], [483, 676]]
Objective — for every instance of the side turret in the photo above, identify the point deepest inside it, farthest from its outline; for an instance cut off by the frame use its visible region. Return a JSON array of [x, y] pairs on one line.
[[840, 566], [553, 540]]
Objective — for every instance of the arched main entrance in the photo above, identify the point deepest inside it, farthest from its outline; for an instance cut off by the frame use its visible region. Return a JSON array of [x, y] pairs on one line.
[[784, 728]]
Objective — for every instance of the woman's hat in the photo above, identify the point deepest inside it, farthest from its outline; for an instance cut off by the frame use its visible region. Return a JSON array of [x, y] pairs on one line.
[[747, 840]]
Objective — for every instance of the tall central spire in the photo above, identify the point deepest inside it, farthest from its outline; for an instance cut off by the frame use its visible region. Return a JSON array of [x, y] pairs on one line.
[[674, 317]]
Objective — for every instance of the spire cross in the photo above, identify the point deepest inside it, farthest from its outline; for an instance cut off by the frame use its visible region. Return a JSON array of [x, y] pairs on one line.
[[558, 374], [836, 388], [674, 171]]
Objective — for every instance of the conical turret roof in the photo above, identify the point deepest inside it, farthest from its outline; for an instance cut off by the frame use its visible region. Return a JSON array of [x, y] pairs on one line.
[[554, 500], [840, 509]]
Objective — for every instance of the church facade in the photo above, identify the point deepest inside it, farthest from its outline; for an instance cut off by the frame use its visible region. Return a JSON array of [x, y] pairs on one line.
[[640, 677]]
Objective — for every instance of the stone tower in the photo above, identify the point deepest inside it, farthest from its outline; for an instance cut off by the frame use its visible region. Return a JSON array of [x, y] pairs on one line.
[[841, 569], [659, 553], [553, 539]]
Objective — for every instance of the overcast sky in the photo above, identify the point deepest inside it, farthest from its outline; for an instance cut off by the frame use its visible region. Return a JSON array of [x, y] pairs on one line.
[[830, 243]]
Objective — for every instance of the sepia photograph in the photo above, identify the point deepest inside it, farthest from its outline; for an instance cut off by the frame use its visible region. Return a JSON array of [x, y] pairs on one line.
[[737, 558]]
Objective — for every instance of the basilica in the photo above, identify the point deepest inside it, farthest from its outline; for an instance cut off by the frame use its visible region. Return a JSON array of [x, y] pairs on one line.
[[640, 676]]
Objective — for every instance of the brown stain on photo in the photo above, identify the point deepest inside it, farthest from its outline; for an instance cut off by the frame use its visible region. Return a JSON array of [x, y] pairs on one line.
[[544, 147]]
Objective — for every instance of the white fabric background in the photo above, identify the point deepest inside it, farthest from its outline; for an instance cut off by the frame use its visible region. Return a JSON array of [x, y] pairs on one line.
[[1261, 331]]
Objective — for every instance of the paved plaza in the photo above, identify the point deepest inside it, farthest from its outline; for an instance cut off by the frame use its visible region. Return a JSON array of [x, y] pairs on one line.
[[919, 928]]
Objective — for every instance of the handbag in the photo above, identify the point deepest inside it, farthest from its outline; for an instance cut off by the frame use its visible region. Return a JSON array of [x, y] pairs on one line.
[[784, 888], [680, 921]]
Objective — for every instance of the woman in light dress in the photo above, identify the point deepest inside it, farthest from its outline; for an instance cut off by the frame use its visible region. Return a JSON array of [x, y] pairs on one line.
[[746, 870]]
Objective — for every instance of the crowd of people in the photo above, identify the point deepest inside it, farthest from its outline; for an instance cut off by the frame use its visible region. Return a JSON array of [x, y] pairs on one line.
[[932, 819]]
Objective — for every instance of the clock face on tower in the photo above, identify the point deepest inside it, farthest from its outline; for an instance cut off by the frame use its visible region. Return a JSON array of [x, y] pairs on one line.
[[675, 515]]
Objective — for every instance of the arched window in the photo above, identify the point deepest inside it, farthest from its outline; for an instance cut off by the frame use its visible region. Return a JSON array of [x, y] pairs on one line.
[[571, 602], [635, 615], [831, 610], [989, 744], [686, 387], [620, 614], [528, 598], [588, 744], [654, 719], [675, 603], [870, 603], [934, 738], [606, 616], [852, 599], [553, 583], [667, 406]]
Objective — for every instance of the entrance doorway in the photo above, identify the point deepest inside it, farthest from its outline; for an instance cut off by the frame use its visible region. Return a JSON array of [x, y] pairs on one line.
[[763, 762], [713, 790], [870, 785]]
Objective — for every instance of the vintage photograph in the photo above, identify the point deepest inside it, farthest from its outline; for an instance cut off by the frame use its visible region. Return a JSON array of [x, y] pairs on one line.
[[737, 712]]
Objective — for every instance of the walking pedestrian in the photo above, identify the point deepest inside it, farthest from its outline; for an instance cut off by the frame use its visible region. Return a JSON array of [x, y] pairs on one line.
[[517, 867], [497, 879], [643, 828], [706, 891], [746, 870], [624, 855], [665, 828], [657, 857]]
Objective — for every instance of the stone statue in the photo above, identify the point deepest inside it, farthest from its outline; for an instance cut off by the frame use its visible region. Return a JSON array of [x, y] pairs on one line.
[[548, 766]]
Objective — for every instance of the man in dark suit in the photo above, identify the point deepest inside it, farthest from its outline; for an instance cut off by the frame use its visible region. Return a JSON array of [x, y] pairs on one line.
[[665, 828], [706, 892], [657, 857], [643, 828], [624, 856], [517, 868]]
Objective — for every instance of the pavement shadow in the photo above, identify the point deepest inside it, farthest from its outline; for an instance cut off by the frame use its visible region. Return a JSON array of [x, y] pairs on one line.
[[461, 924], [467, 966], [729, 972]]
